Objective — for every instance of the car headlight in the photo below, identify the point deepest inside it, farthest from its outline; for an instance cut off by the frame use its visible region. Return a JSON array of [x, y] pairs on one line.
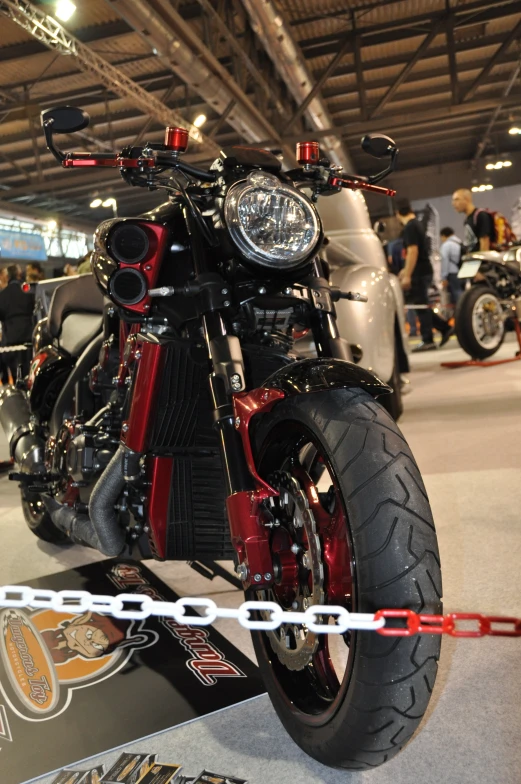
[[271, 223]]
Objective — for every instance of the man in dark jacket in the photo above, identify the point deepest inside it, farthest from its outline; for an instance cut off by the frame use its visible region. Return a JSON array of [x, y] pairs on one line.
[[16, 315], [416, 277]]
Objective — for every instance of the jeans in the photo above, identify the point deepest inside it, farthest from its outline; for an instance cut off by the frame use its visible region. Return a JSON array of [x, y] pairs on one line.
[[456, 287], [419, 295]]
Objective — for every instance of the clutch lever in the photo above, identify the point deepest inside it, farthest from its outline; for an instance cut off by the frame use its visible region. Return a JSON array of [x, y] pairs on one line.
[[355, 183]]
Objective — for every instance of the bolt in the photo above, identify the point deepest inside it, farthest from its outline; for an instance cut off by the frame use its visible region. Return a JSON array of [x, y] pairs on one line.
[[319, 305], [237, 422], [294, 606], [295, 548], [134, 536], [267, 577], [305, 603], [306, 561], [316, 293], [111, 311], [242, 571], [124, 427], [226, 303], [257, 577], [224, 291], [262, 289], [288, 290], [146, 529], [148, 267], [236, 382]]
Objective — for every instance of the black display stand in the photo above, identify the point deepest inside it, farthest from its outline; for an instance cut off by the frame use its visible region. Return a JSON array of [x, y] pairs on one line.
[[64, 699]]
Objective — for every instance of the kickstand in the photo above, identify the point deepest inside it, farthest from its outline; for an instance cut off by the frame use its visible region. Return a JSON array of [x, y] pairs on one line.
[[210, 569]]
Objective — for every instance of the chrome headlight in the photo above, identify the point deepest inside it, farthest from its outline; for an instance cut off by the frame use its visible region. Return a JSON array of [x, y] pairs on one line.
[[271, 223]]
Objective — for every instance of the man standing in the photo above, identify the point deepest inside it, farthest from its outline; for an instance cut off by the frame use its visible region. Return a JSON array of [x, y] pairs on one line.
[[416, 277], [451, 250], [479, 224], [16, 315]]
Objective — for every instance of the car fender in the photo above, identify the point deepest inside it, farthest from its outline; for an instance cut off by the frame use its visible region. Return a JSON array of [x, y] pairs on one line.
[[371, 324]]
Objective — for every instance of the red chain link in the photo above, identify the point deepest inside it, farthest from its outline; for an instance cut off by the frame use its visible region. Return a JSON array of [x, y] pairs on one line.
[[447, 624]]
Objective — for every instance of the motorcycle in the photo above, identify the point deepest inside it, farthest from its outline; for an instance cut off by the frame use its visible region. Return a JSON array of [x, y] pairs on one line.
[[484, 310], [165, 409]]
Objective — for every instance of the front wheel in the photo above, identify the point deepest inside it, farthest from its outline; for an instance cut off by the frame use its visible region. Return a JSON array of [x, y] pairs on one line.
[[351, 526], [480, 326]]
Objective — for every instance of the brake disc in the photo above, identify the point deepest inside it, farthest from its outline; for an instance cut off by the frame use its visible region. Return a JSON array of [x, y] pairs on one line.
[[294, 645]]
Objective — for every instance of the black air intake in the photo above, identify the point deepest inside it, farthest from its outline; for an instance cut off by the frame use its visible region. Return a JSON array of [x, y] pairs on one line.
[[128, 286], [128, 243]]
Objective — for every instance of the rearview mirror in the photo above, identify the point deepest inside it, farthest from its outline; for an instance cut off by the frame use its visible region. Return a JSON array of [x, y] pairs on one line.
[[378, 145], [66, 119]]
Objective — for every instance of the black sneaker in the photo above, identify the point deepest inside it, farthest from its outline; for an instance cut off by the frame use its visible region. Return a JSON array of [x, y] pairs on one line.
[[446, 336], [425, 347]]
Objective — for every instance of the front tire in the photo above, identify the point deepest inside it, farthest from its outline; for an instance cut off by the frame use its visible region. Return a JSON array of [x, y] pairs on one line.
[[378, 543], [480, 327]]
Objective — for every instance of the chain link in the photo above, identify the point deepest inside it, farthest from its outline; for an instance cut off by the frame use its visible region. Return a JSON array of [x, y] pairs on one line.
[[6, 349], [316, 618]]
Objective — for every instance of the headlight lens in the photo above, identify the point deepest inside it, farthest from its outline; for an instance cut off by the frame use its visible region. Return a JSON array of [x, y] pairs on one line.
[[271, 223]]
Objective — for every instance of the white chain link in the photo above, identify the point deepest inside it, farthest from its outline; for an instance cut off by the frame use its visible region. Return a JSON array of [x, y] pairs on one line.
[[143, 607], [6, 349]]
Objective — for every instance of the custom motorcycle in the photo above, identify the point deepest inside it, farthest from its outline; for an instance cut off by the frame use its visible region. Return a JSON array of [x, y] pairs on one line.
[[175, 416], [484, 310]]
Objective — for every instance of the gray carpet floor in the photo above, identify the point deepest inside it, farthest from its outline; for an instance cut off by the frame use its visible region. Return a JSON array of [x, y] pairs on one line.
[[464, 427]]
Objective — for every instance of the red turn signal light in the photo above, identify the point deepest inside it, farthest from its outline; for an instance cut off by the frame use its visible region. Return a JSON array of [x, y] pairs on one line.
[[308, 153], [176, 139]]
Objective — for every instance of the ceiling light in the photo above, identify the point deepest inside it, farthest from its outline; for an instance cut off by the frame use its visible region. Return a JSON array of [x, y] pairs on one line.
[[507, 163], [200, 120], [489, 186], [95, 203], [51, 225], [490, 166], [109, 203], [514, 130], [64, 10]]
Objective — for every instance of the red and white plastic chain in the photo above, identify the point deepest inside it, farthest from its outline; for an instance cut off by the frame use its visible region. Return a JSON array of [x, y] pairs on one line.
[[315, 618]]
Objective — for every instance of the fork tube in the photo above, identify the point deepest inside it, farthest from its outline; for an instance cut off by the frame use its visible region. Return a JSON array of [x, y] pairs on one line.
[[236, 473]]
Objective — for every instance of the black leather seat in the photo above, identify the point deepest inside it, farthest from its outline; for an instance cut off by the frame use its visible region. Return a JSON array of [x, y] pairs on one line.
[[75, 313]]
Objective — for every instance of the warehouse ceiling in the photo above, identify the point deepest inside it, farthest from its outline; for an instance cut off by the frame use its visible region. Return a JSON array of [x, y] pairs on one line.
[[440, 76]]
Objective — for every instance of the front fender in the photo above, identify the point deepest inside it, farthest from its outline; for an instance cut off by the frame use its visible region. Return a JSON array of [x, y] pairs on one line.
[[315, 375]]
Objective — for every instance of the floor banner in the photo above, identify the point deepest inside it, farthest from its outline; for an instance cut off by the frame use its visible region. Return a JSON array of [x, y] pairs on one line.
[[72, 686]]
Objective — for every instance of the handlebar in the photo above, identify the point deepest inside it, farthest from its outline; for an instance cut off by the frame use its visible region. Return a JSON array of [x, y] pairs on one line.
[[115, 160], [355, 183]]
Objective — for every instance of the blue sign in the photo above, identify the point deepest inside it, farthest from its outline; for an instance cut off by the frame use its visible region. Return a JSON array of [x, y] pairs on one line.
[[19, 245]]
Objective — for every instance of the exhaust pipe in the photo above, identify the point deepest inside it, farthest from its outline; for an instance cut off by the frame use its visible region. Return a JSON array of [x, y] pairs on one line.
[[99, 529], [26, 446]]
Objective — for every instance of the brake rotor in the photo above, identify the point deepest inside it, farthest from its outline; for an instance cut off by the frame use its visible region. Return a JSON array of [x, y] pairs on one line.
[[295, 645]]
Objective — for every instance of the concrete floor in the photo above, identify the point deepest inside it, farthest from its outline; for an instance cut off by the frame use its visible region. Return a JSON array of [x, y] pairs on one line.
[[464, 427]]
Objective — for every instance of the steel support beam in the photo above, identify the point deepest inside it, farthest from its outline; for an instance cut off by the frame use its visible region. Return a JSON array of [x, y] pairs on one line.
[[329, 71], [451, 54], [360, 83], [402, 76], [49, 32], [515, 33]]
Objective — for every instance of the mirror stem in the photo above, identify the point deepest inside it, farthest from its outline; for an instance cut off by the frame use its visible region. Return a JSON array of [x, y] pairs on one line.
[[47, 129]]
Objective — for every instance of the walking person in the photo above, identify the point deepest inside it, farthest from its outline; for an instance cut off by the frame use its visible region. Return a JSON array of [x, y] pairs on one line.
[[480, 233], [416, 277], [16, 315], [451, 250]]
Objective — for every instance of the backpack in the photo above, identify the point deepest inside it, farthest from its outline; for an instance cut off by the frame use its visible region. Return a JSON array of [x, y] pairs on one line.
[[461, 251], [503, 232]]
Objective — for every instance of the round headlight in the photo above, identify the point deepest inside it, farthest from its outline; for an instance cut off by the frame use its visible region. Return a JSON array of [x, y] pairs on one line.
[[271, 223]]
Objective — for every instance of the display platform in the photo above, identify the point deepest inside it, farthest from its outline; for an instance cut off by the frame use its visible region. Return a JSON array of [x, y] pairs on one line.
[[73, 686]]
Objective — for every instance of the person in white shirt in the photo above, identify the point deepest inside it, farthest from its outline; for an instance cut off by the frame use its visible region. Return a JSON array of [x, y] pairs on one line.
[[451, 250]]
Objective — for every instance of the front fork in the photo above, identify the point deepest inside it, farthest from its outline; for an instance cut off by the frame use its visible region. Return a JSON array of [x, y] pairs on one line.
[[233, 409]]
